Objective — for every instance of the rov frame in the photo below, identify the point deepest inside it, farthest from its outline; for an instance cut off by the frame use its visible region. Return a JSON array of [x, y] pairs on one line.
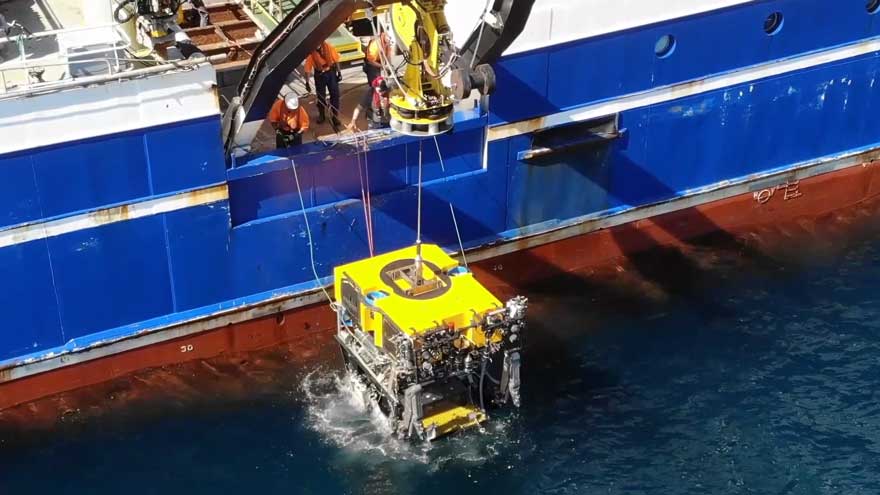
[[426, 348]]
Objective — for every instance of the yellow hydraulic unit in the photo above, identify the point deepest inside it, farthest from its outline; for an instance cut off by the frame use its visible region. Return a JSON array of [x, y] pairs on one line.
[[422, 104], [433, 347], [151, 25]]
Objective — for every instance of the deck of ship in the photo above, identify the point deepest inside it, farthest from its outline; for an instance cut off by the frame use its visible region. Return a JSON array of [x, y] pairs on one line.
[[34, 16], [232, 31]]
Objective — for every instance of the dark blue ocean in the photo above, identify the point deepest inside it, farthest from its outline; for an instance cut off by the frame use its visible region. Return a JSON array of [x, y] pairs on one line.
[[718, 370]]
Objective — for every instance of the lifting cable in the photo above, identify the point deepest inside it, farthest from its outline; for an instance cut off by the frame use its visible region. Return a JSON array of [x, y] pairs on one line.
[[387, 64], [309, 233], [369, 194], [451, 209], [363, 171], [419, 214], [366, 195], [480, 35]]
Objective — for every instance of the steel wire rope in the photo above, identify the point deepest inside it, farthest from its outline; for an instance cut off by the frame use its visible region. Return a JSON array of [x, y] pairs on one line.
[[480, 34], [419, 203], [363, 172], [365, 196], [451, 209], [369, 192], [309, 233]]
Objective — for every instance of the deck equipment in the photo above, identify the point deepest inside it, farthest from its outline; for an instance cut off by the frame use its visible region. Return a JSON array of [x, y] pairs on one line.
[[152, 22]]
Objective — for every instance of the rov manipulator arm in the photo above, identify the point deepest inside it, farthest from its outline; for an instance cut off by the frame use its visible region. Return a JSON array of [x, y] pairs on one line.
[[313, 21]]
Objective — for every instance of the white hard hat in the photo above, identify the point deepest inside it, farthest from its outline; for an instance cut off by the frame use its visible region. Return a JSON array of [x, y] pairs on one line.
[[292, 101]]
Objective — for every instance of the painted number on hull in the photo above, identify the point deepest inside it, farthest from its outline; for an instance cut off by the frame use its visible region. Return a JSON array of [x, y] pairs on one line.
[[791, 190], [187, 348]]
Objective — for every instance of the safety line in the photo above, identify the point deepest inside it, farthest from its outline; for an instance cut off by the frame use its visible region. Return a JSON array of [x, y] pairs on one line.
[[309, 233]]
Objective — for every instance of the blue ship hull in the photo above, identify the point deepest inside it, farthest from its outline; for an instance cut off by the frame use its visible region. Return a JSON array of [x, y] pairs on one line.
[[729, 105]]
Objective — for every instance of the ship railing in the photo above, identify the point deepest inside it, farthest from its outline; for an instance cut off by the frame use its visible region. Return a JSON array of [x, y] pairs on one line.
[[269, 13], [160, 66], [34, 70], [275, 10]]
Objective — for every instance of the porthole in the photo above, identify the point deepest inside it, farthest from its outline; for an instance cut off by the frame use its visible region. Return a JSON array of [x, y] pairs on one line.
[[665, 46], [773, 23], [873, 6]]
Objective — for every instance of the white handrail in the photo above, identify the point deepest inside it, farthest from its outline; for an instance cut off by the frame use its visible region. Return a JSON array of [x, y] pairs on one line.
[[63, 60], [48, 61], [56, 32], [84, 81], [27, 65], [58, 64]]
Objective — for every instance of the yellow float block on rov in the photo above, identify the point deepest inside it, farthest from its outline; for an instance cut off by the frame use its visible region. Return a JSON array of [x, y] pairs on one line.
[[452, 420], [447, 297]]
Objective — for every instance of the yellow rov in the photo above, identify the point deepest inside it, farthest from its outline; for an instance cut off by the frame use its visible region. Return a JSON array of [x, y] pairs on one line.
[[426, 337]]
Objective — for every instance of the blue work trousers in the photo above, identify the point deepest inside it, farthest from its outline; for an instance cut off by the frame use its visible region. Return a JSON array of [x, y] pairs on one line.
[[327, 82]]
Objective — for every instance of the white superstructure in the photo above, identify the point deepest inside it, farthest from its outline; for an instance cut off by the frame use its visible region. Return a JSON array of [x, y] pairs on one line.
[[559, 21]]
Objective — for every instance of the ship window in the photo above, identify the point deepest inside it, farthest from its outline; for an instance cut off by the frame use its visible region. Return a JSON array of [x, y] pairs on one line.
[[773, 23], [873, 6], [665, 46]]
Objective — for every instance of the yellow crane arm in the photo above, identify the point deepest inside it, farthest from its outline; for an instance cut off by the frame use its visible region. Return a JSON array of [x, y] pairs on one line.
[[422, 104]]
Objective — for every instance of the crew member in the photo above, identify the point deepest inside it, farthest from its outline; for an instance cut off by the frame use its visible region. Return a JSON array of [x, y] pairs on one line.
[[374, 56], [289, 120], [375, 102], [323, 62]]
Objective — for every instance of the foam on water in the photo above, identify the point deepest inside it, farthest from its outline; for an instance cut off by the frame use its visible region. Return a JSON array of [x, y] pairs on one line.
[[339, 409]]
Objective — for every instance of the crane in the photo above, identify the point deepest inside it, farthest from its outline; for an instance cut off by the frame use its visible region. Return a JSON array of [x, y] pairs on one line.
[[422, 101]]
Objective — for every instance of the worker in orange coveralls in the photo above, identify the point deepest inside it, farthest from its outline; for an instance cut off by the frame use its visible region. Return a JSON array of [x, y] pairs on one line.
[[289, 120], [323, 62]]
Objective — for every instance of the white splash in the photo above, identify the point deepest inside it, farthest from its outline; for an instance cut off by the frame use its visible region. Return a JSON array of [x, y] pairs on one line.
[[339, 409]]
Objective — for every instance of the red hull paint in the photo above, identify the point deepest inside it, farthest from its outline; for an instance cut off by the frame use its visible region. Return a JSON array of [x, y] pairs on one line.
[[303, 335], [740, 219]]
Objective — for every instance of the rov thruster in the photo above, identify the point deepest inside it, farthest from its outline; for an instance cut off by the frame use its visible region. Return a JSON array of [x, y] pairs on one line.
[[433, 347]]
